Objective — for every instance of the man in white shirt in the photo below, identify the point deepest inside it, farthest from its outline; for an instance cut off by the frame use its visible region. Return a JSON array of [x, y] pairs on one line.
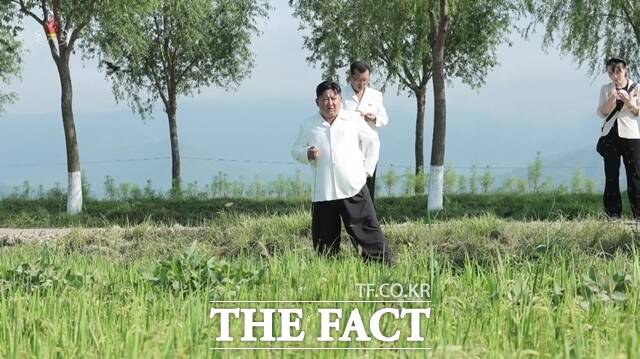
[[330, 143], [368, 103]]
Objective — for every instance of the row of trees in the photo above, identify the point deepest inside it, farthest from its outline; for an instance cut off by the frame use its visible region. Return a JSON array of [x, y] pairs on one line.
[[149, 48], [165, 48], [411, 42], [391, 183], [483, 182]]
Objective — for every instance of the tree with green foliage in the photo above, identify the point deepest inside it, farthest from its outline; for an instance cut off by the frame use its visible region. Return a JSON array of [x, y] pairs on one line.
[[392, 36], [148, 191], [547, 185], [577, 181], [220, 185], [238, 188], [297, 186], [590, 30], [278, 187], [408, 183], [390, 178], [462, 184], [521, 185], [465, 32], [450, 178], [589, 186], [534, 173], [486, 181], [109, 188], [408, 41], [9, 54], [473, 180], [175, 48], [420, 181], [68, 25], [562, 188], [508, 185], [257, 189]]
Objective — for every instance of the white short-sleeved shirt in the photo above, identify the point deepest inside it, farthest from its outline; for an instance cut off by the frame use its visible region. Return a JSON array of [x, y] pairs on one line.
[[627, 120]]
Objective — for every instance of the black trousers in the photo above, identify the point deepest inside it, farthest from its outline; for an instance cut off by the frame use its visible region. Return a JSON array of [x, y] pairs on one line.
[[629, 150], [360, 221], [371, 185]]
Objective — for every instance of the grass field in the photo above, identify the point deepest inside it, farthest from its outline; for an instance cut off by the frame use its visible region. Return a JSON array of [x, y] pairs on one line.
[[50, 212], [498, 288]]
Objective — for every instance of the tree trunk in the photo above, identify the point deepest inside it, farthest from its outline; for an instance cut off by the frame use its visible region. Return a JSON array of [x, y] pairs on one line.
[[419, 146], [436, 177], [175, 150], [74, 194]]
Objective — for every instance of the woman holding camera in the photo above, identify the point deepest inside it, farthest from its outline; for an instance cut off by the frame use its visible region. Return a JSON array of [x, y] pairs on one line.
[[620, 138]]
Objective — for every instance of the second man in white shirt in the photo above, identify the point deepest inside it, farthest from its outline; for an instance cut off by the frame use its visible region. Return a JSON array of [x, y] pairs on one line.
[[366, 101]]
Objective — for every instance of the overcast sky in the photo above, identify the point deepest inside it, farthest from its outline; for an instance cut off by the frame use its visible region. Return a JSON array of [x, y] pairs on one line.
[[532, 101]]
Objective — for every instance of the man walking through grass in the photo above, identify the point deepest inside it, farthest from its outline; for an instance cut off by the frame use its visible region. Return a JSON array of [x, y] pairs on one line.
[[330, 142]]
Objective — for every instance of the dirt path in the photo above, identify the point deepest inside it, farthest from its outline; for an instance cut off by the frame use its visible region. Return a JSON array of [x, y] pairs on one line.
[[17, 235], [22, 235], [13, 235]]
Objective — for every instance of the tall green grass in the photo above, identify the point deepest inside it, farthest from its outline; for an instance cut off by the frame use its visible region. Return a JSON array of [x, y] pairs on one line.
[[498, 288]]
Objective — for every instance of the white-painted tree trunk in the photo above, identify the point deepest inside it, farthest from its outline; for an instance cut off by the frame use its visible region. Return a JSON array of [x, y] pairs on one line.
[[436, 188], [74, 194]]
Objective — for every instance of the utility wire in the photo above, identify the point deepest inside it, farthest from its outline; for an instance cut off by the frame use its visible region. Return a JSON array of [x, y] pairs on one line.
[[266, 162]]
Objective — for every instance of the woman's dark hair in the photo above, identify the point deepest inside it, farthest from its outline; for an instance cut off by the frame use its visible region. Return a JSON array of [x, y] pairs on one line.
[[327, 85], [614, 61], [359, 66]]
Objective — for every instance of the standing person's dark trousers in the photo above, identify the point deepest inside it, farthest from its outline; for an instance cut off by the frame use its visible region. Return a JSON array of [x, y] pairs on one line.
[[629, 150], [371, 185], [361, 224]]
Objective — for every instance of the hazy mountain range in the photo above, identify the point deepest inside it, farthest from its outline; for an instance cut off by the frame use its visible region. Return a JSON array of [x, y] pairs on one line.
[[218, 137]]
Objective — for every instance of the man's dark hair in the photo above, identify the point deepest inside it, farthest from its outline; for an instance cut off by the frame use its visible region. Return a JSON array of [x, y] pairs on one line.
[[614, 61], [327, 85], [359, 66]]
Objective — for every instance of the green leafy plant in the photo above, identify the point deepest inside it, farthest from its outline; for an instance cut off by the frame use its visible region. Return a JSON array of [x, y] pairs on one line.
[[41, 274], [594, 287], [192, 271]]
